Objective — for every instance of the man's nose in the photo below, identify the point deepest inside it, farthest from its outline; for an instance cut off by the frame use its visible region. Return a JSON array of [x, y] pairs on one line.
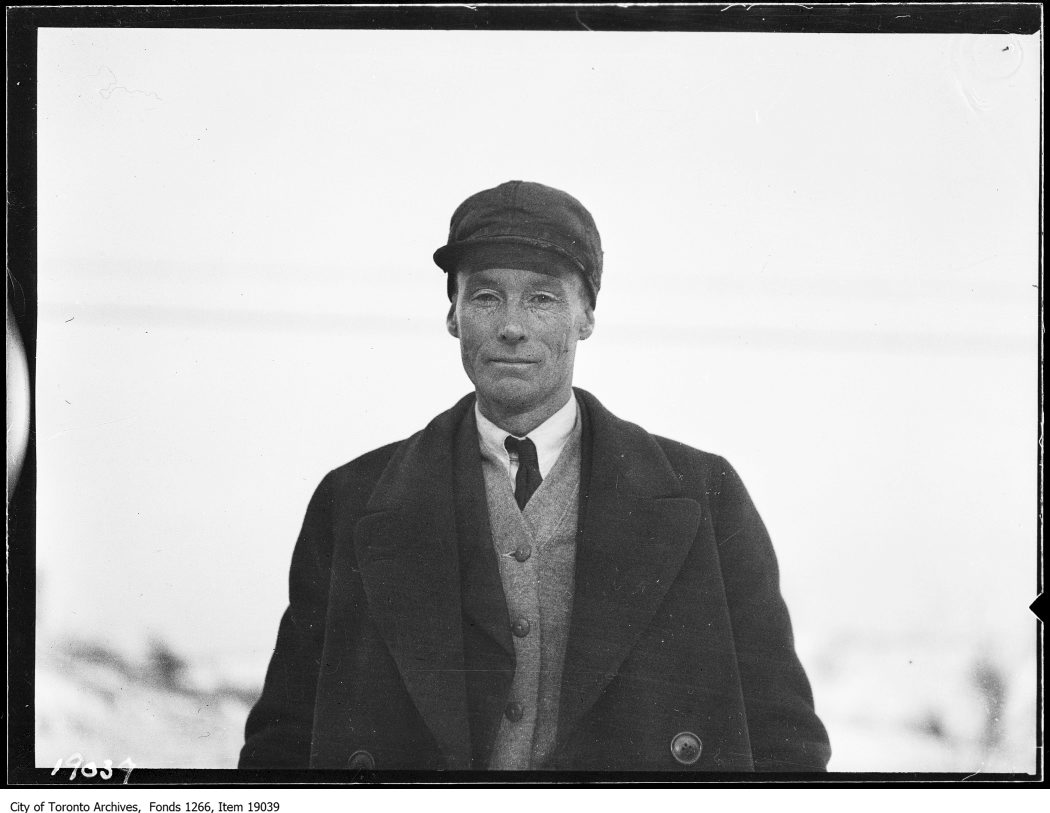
[[513, 328]]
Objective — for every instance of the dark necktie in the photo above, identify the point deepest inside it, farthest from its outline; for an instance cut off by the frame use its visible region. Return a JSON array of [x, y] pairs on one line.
[[528, 479]]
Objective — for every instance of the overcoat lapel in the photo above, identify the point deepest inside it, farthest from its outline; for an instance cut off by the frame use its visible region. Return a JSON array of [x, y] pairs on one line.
[[635, 531], [484, 604], [407, 552], [488, 650]]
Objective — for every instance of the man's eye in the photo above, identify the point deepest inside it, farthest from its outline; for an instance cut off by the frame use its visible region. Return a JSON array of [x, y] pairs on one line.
[[544, 299], [484, 298]]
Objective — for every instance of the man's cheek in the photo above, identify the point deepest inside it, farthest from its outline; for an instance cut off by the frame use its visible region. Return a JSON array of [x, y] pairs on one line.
[[467, 356]]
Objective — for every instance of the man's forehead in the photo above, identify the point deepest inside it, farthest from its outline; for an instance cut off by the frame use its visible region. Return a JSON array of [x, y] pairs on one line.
[[552, 275]]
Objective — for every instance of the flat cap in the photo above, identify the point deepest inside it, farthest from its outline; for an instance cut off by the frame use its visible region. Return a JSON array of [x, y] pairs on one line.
[[523, 224]]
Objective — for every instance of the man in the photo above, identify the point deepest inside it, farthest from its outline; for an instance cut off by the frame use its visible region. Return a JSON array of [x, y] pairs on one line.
[[530, 582]]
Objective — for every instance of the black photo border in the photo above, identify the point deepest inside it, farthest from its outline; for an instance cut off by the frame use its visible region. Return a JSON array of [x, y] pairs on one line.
[[23, 23]]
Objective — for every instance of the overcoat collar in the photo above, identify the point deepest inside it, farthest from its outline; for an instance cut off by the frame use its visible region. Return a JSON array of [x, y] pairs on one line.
[[634, 532]]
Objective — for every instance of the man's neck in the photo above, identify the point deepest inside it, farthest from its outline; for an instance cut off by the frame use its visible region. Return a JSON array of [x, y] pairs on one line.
[[517, 423]]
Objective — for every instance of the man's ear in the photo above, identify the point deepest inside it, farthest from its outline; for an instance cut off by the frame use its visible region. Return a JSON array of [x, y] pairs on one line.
[[451, 323], [587, 327]]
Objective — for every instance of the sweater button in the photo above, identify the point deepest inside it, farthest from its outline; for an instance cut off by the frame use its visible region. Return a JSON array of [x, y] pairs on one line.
[[523, 552], [513, 711], [686, 747], [521, 627]]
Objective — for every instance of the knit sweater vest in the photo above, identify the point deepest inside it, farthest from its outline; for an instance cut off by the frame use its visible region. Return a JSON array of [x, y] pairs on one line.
[[539, 593]]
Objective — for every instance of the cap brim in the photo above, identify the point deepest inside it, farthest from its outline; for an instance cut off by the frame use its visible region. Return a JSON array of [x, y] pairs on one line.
[[508, 252]]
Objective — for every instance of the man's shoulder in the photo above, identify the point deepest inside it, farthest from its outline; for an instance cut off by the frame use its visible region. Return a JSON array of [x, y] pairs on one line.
[[369, 467], [686, 460], [700, 472], [353, 481], [682, 455]]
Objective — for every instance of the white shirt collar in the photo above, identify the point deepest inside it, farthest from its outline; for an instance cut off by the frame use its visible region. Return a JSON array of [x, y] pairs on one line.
[[550, 437]]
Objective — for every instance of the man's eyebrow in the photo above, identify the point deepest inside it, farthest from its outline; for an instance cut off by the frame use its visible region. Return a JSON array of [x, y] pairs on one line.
[[479, 278], [550, 282]]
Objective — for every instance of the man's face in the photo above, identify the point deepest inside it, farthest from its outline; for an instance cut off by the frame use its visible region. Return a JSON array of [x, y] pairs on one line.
[[518, 331]]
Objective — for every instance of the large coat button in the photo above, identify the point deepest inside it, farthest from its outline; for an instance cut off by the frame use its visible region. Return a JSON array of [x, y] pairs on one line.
[[514, 712], [361, 761], [686, 747]]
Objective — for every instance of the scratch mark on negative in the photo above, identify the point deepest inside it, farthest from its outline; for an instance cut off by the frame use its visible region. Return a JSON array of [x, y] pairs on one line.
[[114, 85]]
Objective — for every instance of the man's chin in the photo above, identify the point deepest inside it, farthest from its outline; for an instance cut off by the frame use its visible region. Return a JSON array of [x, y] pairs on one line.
[[510, 394]]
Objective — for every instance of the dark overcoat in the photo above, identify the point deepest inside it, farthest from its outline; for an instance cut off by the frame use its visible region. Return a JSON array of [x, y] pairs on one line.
[[395, 647]]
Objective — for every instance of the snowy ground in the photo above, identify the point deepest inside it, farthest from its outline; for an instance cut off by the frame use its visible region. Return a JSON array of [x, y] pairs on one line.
[[952, 709], [926, 706], [93, 702]]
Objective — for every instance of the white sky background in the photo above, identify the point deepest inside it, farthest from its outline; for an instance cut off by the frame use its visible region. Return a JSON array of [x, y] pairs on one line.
[[821, 259]]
